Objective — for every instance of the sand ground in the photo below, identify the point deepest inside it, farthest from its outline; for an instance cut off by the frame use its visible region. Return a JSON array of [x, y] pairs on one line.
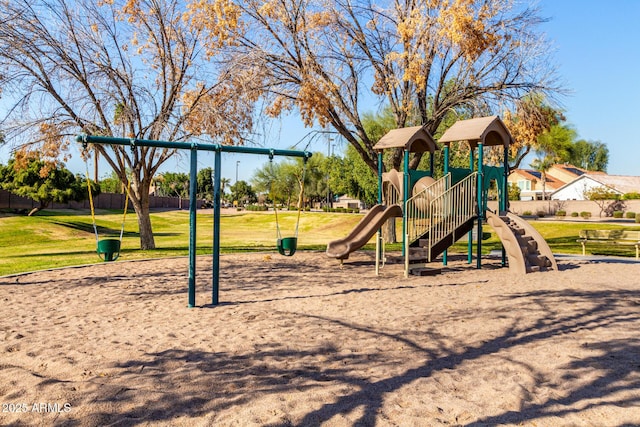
[[299, 341]]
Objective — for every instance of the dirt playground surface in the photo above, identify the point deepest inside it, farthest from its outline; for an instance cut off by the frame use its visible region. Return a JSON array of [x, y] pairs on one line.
[[301, 342]]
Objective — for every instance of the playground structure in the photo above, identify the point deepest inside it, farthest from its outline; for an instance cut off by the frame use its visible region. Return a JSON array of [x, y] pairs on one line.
[[286, 245], [436, 214]]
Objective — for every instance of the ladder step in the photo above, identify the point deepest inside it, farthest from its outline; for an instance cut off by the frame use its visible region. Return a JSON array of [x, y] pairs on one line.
[[424, 271], [538, 260], [518, 231]]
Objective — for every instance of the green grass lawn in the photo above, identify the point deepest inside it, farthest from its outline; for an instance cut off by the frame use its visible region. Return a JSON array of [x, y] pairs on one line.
[[65, 237]]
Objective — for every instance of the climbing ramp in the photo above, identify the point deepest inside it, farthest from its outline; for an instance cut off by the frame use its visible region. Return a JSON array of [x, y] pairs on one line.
[[526, 249]]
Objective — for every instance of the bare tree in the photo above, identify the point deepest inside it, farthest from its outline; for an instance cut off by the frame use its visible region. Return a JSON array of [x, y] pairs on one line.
[[332, 59], [532, 118], [131, 69]]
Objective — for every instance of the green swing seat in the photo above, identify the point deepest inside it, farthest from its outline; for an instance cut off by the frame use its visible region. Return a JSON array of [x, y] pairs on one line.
[[287, 246], [109, 249]]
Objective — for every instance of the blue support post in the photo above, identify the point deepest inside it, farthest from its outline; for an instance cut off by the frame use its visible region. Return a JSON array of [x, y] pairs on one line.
[[216, 228], [504, 200], [193, 189], [470, 236], [379, 249], [380, 168], [481, 213], [446, 171], [405, 197]]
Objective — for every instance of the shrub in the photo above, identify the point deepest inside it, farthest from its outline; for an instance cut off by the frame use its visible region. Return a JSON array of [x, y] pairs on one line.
[[513, 191], [618, 214], [613, 207], [525, 213], [575, 214], [541, 214], [257, 208], [561, 213], [630, 215], [585, 214], [638, 218], [634, 195]]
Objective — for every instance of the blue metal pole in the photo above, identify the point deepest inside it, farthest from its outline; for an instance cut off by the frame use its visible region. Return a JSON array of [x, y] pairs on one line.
[[193, 188], [481, 213], [215, 291], [379, 233], [90, 139], [405, 197], [380, 177], [504, 200], [446, 171], [470, 242]]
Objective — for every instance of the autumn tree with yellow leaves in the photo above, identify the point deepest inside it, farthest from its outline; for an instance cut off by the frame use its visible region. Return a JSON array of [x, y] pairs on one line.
[[121, 68], [331, 60]]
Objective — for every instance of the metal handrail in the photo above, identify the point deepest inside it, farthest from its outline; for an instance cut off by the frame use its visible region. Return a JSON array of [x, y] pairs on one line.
[[419, 215], [453, 208], [448, 208]]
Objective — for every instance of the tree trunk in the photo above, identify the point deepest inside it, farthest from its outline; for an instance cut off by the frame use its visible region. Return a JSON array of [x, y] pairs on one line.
[[391, 231], [43, 205], [34, 211], [141, 206]]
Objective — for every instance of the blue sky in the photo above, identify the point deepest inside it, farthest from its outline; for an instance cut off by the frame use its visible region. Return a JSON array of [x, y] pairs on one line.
[[596, 46]]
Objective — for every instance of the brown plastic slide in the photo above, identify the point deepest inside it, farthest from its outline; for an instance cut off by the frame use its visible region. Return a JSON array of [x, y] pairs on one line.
[[363, 231]]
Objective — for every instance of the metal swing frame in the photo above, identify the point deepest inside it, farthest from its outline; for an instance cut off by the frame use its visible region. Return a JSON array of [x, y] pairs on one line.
[[193, 147]]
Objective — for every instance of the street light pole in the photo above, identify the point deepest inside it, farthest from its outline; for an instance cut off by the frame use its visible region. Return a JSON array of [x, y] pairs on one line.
[[237, 163]]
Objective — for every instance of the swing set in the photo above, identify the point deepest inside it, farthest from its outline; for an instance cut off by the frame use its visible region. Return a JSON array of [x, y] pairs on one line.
[[107, 249], [286, 245]]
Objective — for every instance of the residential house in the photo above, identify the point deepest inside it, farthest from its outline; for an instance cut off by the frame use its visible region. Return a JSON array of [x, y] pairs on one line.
[[576, 189], [348, 202], [530, 183], [567, 173]]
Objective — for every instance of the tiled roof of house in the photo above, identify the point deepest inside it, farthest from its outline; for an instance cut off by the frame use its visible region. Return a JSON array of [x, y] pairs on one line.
[[534, 175], [622, 183]]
